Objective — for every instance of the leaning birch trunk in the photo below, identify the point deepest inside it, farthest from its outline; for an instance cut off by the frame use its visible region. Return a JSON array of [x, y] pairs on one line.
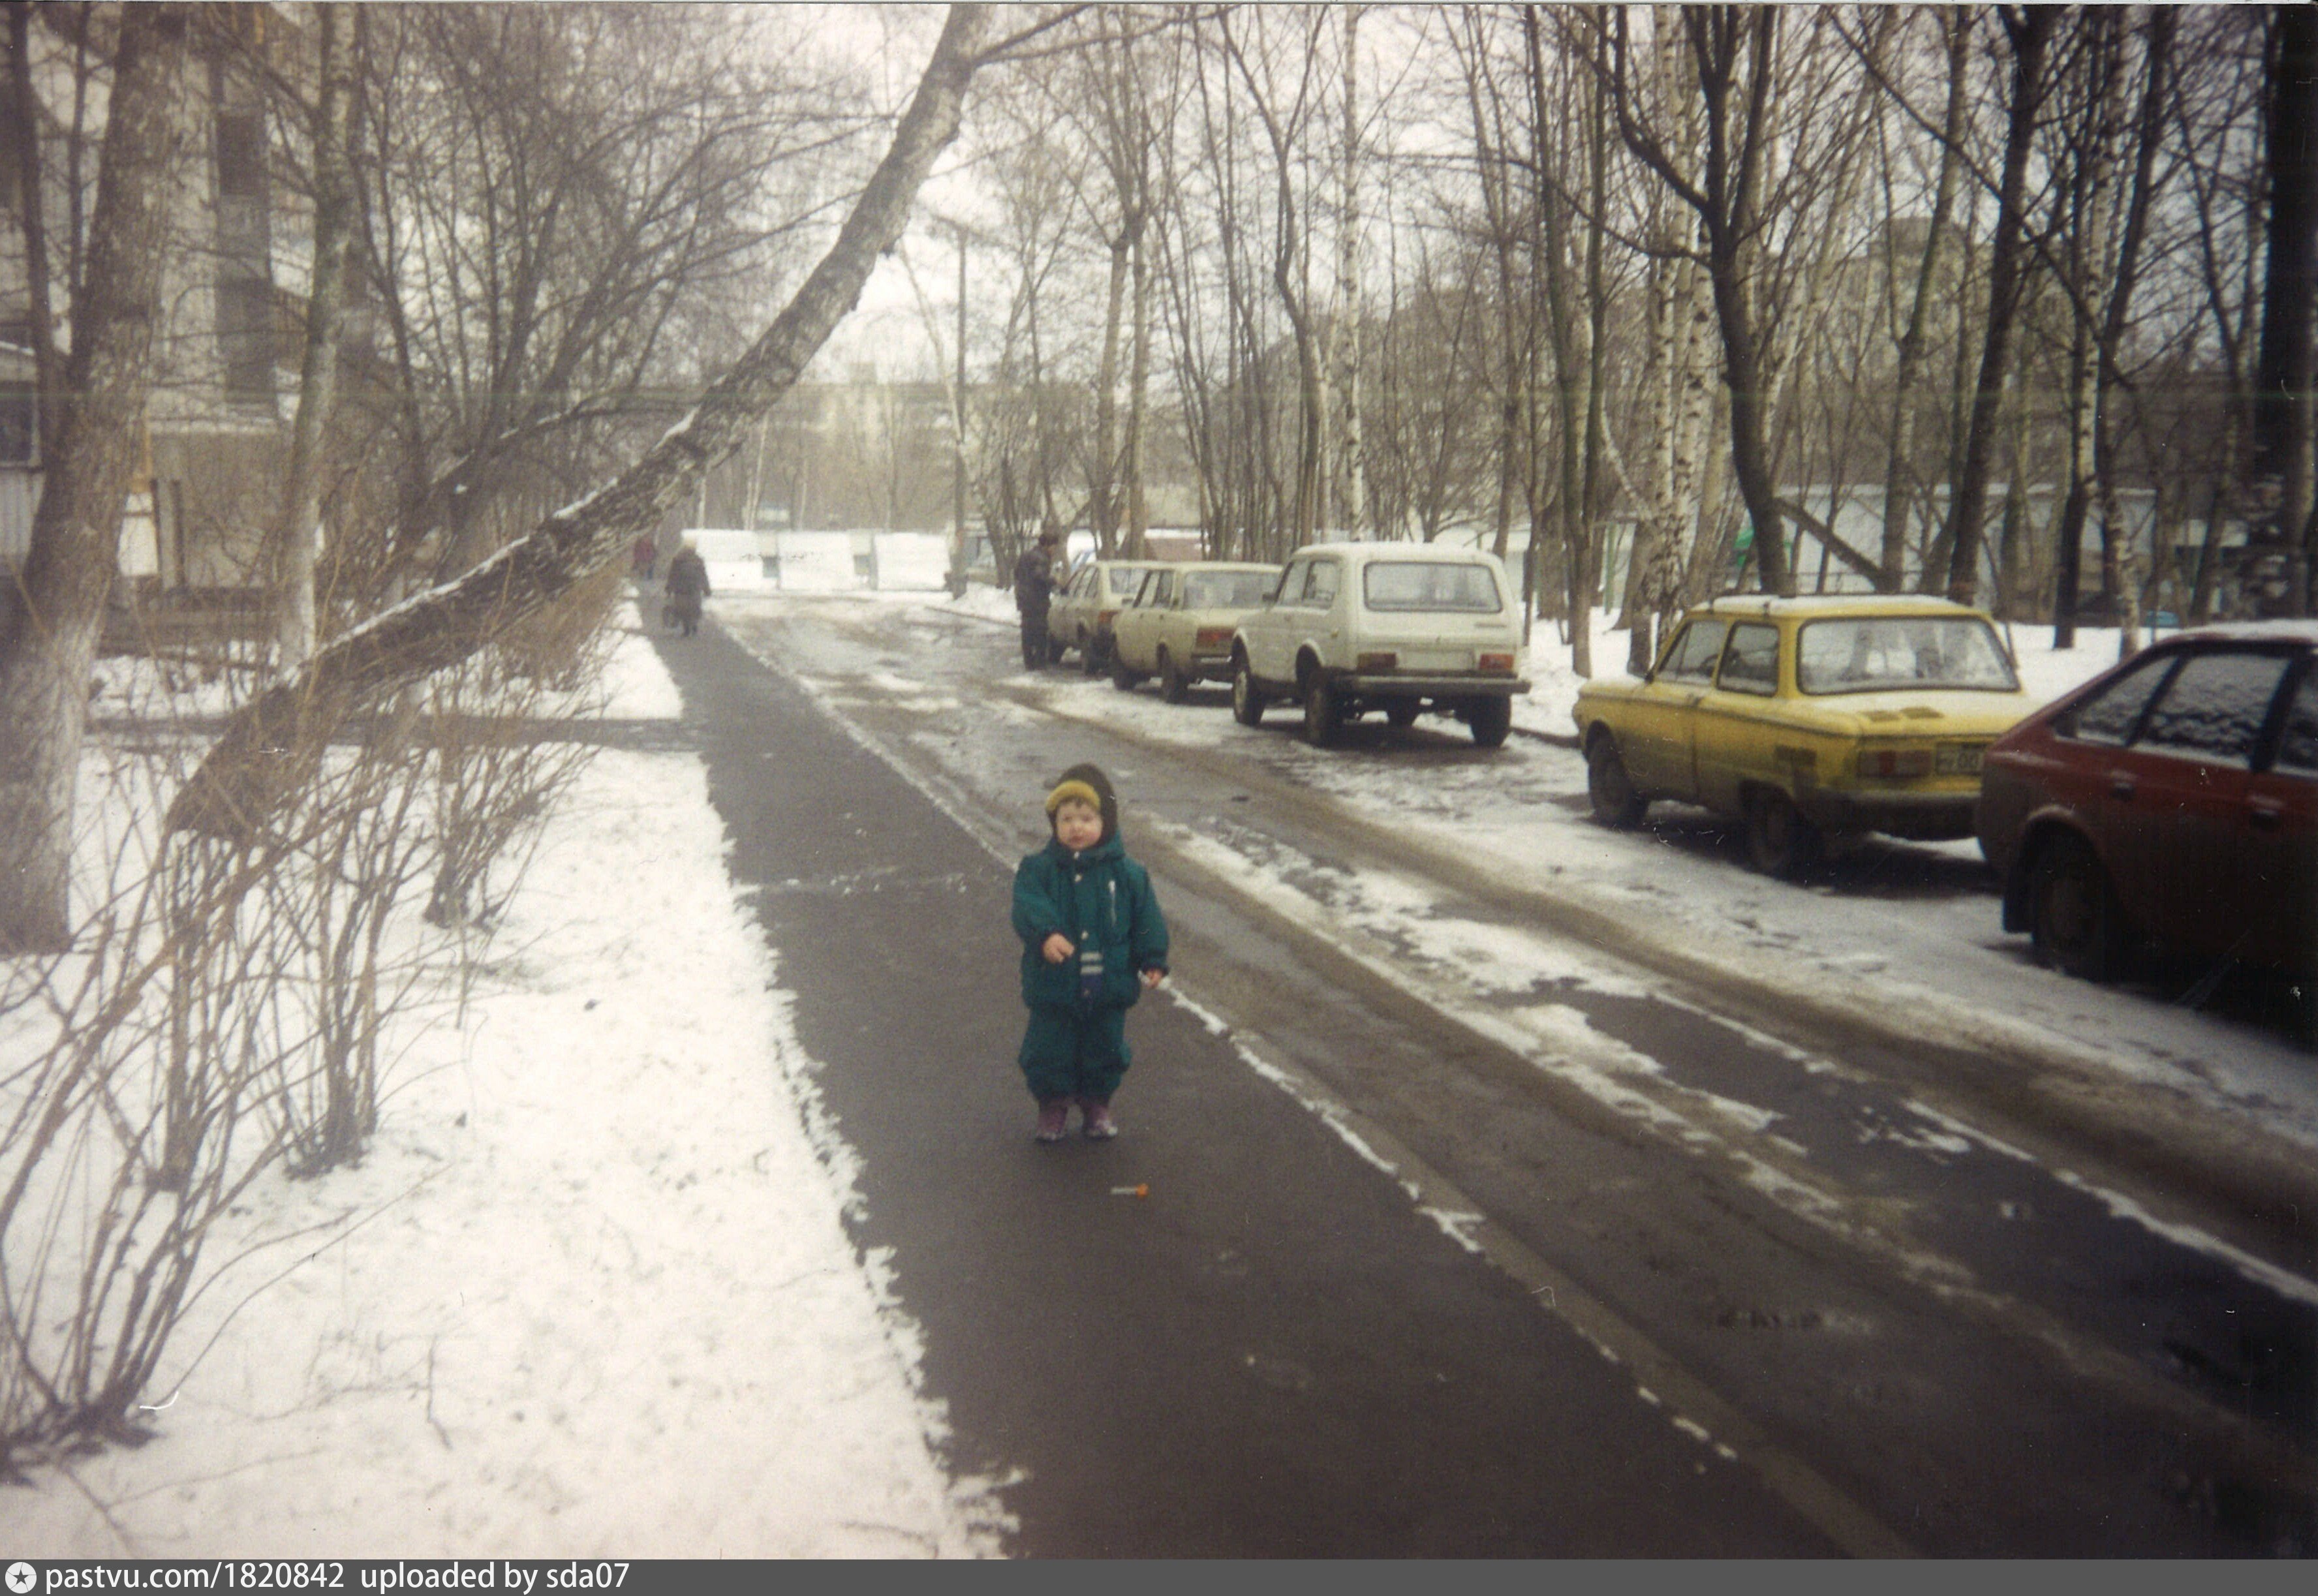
[[273, 746], [49, 642], [317, 385]]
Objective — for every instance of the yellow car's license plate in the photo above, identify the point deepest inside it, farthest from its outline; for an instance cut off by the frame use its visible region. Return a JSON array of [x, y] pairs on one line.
[[1958, 758]]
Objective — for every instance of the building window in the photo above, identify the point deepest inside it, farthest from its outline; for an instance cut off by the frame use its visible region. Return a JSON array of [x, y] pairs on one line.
[[20, 398], [241, 154], [245, 338]]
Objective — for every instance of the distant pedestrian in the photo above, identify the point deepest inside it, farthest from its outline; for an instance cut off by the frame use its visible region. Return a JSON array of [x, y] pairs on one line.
[[1034, 589], [1093, 940], [686, 585], [643, 557]]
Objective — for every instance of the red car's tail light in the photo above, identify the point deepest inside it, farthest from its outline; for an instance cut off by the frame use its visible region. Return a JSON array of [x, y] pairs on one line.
[[1212, 637], [1497, 664]]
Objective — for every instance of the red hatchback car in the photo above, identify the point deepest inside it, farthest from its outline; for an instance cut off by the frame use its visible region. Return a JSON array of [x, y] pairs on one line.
[[2173, 799]]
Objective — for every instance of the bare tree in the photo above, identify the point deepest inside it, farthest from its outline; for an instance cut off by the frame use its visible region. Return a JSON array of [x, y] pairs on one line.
[[2284, 470], [50, 633], [1733, 51], [292, 579], [272, 746], [2029, 31], [1898, 459]]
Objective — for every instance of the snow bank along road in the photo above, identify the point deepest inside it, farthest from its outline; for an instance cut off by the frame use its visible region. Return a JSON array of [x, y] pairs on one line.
[[1903, 1298]]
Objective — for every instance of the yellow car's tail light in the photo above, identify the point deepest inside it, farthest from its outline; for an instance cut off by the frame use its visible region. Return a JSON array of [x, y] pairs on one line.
[[1894, 764], [1212, 637], [1377, 662], [1497, 664]]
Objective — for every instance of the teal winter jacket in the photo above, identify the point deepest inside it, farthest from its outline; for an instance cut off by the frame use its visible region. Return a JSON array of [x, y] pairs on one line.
[[1101, 894]]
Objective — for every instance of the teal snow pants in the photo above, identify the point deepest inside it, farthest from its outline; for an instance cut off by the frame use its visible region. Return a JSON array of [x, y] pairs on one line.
[[1075, 1052]]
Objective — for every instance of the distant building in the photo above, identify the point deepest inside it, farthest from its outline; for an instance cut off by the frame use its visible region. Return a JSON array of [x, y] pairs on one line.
[[213, 442]]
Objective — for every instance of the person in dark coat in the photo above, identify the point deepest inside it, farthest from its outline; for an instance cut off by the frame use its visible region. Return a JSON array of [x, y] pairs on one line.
[[1093, 941], [686, 586], [1034, 590]]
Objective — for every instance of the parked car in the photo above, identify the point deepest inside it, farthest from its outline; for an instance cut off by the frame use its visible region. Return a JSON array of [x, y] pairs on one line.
[[1400, 627], [1178, 628], [1080, 614], [1807, 718], [2172, 798]]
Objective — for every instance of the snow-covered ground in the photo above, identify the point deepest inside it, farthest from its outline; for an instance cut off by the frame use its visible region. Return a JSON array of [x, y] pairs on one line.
[[589, 1292]]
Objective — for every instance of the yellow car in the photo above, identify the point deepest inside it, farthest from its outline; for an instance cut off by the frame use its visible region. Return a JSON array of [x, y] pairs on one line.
[[1807, 718]]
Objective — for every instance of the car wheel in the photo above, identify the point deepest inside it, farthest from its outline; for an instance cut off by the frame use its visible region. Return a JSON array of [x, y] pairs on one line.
[[1491, 719], [1780, 842], [1247, 703], [1090, 656], [1173, 687], [2074, 922], [1320, 720], [1121, 678], [1616, 805], [1403, 712], [1055, 650]]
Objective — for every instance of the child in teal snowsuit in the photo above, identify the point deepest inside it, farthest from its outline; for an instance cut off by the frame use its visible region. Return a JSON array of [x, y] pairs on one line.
[[1093, 941]]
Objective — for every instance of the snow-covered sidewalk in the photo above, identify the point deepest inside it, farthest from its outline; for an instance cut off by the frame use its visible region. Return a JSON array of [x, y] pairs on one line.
[[589, 1294]]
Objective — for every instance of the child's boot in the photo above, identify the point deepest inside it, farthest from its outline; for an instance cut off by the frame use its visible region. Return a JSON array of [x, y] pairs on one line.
[[1098, 1124], [1054, 1119]]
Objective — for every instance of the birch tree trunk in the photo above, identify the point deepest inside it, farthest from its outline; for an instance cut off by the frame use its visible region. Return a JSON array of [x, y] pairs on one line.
[[50, 643], [1898, 462], [317, 385], [1138, 388], [272, 746], [1103, 467], [1352, 464], [2087, 271], [2030, 29]]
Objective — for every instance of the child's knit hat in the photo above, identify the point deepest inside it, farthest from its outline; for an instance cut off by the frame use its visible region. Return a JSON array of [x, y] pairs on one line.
[[1088, 784]]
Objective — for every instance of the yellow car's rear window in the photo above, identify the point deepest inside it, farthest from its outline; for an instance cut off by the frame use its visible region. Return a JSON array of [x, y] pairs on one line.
[[1879, 653]]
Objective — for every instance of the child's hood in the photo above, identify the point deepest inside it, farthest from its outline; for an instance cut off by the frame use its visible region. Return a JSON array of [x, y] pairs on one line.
[[1106, 800]]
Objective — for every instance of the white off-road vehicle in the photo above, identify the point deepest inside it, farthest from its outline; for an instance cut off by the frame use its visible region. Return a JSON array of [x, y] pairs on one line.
[[1401, 627]]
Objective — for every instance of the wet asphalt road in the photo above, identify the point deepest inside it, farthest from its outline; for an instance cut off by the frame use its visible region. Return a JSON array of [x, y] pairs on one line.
[[1271, 1355], [1277, 1353]]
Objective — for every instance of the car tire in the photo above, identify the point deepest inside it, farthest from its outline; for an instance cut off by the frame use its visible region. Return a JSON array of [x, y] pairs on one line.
[[1616, 805], [1780, 842], [1402, 712], [1090, 656], [1247, 703], [1491, 718], [1175, 686], [2074, 922], [1320, 715], [1055, 650], [1121, 678]]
